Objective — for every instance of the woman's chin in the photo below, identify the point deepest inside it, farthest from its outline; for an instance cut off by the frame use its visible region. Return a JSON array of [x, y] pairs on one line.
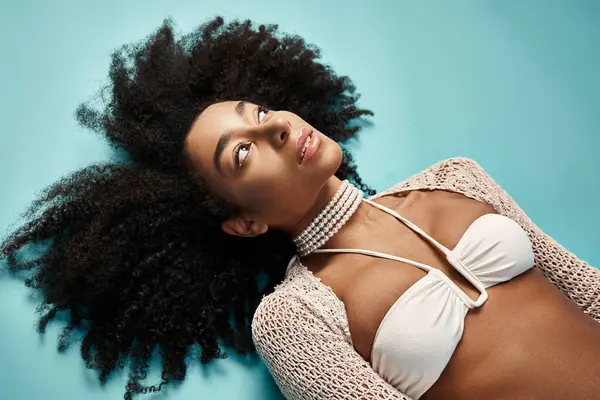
[[323, 165], [328, 166], [333, 159]]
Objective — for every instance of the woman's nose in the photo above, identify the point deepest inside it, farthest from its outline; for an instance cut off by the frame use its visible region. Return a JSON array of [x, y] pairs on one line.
[[279, 130]]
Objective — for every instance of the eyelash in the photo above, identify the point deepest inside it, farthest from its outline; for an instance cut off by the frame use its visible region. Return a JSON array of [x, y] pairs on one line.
[[246, 146], [261, 108]]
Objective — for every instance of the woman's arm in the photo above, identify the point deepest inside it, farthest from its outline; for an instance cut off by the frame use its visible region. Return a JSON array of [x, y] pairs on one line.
[[574, 277], [307, 360]]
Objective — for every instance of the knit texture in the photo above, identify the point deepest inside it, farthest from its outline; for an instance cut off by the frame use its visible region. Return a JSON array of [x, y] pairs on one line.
[[301, 330]]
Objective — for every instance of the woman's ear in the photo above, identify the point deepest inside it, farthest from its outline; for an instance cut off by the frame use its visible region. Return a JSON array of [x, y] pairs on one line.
[[239, 226]]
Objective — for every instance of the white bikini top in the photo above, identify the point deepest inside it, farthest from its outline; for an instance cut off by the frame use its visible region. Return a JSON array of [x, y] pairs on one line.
[[420, 332]]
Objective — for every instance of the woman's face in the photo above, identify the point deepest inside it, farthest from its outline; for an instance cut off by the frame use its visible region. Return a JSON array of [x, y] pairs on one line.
[[253, 158]]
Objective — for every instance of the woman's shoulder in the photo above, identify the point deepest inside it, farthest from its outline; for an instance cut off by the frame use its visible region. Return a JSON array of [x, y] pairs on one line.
[[457, 174], [298, 295]]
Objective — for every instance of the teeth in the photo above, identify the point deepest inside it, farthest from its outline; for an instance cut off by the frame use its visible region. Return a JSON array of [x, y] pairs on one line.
[[306, 144]]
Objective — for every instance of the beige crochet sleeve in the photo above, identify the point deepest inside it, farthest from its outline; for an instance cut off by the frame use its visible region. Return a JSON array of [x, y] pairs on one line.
[[308, 359], [574, 277]]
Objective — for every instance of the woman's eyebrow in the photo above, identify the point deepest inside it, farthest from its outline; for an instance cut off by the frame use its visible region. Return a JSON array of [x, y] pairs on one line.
[[226, 137], [240, 108]]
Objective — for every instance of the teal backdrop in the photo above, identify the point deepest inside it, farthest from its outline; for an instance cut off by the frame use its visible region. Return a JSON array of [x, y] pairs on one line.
[[512, 84]]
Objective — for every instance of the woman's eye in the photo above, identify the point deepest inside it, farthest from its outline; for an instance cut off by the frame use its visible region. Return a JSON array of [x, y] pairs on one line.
[[241, 153], [264, 111]]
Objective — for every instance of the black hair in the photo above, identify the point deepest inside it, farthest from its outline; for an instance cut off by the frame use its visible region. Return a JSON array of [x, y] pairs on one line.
[[133, 249]]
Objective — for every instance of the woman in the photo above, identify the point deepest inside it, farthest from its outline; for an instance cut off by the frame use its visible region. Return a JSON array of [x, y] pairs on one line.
[[235, 168]]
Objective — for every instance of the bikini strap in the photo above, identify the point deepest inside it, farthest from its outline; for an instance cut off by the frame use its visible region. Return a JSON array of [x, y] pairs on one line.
[[424, 267], [411, 225]]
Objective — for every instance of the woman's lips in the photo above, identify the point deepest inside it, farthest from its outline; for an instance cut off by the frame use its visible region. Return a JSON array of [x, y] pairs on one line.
[[314, 139]]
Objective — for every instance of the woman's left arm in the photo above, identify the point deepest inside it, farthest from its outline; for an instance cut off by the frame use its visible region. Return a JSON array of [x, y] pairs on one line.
[[574, 277]]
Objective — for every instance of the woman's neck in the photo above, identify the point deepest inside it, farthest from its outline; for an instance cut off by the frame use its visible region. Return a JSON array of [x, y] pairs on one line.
[[323, 198], [365, 219]]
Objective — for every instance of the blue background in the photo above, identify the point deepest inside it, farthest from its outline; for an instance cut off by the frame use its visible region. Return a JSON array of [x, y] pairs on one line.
[[512, 84]]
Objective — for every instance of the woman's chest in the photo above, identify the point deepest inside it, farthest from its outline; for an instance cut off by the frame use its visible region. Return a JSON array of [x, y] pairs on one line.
[[370, 286]]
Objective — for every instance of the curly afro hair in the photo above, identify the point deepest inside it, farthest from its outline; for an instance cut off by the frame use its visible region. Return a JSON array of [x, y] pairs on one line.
[[133, 250]]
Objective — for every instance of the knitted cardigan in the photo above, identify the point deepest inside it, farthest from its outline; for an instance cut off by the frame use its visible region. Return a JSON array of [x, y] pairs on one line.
[[301, 330]]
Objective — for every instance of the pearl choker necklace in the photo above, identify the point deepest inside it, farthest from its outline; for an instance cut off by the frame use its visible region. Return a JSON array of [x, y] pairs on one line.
[[329, 221]]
